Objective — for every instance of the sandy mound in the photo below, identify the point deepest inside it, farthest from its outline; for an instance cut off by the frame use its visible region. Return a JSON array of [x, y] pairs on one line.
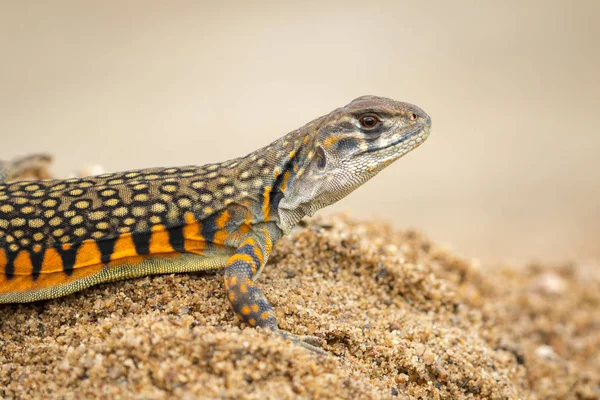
[[402, 318]]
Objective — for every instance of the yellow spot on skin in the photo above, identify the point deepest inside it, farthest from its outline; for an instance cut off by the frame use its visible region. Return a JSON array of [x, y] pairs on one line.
[[158, 208], [185, 203], [120, 211], [231, 295], [265, 315], [38, 236], [55, 221], [255, 307], [6, 208], [233, 281], [66, 246], [17, 222], [305, 139], [111, 202], [76, 192], [36, 223], [37, 248], [243, 288], [208, 210], [245, 310], [82, 204], [97, 215], [252, 322], [141, 197]]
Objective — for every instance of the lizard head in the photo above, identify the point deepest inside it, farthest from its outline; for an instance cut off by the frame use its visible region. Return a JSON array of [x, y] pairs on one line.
[[349, 146]]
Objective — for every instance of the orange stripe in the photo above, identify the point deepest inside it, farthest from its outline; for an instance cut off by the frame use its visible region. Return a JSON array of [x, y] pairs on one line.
[[286, 176], [3, 261], [194, 241], [124, 247], [223, 219], [87, 255], [52, 262], [159, 242], [266, 209], [23, 263], [241, 257]]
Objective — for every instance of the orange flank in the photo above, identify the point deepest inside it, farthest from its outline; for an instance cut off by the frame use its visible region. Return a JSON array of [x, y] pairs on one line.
[[88, 259], [24, 283]]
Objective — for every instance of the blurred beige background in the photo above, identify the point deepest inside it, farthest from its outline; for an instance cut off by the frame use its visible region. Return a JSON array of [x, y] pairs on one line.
[[510, 172]]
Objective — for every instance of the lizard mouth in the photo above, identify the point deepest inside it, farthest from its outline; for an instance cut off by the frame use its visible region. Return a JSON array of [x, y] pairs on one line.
[[421, 131]]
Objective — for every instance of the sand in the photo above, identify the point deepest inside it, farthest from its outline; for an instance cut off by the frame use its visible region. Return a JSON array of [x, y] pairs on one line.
[[400, 317]]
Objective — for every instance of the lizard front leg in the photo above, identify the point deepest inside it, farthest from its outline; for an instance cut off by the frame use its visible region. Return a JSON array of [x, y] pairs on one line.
[[247, 300]]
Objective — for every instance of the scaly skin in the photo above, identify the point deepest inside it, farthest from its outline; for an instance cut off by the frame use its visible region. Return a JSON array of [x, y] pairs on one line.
[[60, 236]]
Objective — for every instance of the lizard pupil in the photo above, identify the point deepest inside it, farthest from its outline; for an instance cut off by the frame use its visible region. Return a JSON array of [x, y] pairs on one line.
[[369, 121]]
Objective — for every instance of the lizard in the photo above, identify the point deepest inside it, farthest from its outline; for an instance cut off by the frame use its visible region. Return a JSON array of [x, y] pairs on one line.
[[58, 237]]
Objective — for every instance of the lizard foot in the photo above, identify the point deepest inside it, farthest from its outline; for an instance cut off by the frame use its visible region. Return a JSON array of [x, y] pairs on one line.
[[311, 343]]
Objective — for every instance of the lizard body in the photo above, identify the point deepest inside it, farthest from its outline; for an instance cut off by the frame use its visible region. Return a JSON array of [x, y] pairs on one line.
[[60, 236]]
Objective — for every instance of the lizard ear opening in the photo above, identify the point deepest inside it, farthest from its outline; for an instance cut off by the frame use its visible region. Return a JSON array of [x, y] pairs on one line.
[[321, 158]]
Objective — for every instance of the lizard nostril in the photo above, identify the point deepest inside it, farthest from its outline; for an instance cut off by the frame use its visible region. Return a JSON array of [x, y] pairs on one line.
[[413, 117]]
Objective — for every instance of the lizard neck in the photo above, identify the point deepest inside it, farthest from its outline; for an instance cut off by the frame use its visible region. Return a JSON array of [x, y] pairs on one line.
[[286, 159]]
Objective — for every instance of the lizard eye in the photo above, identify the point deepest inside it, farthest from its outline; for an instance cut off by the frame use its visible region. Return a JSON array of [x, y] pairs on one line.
[[369, 121]]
